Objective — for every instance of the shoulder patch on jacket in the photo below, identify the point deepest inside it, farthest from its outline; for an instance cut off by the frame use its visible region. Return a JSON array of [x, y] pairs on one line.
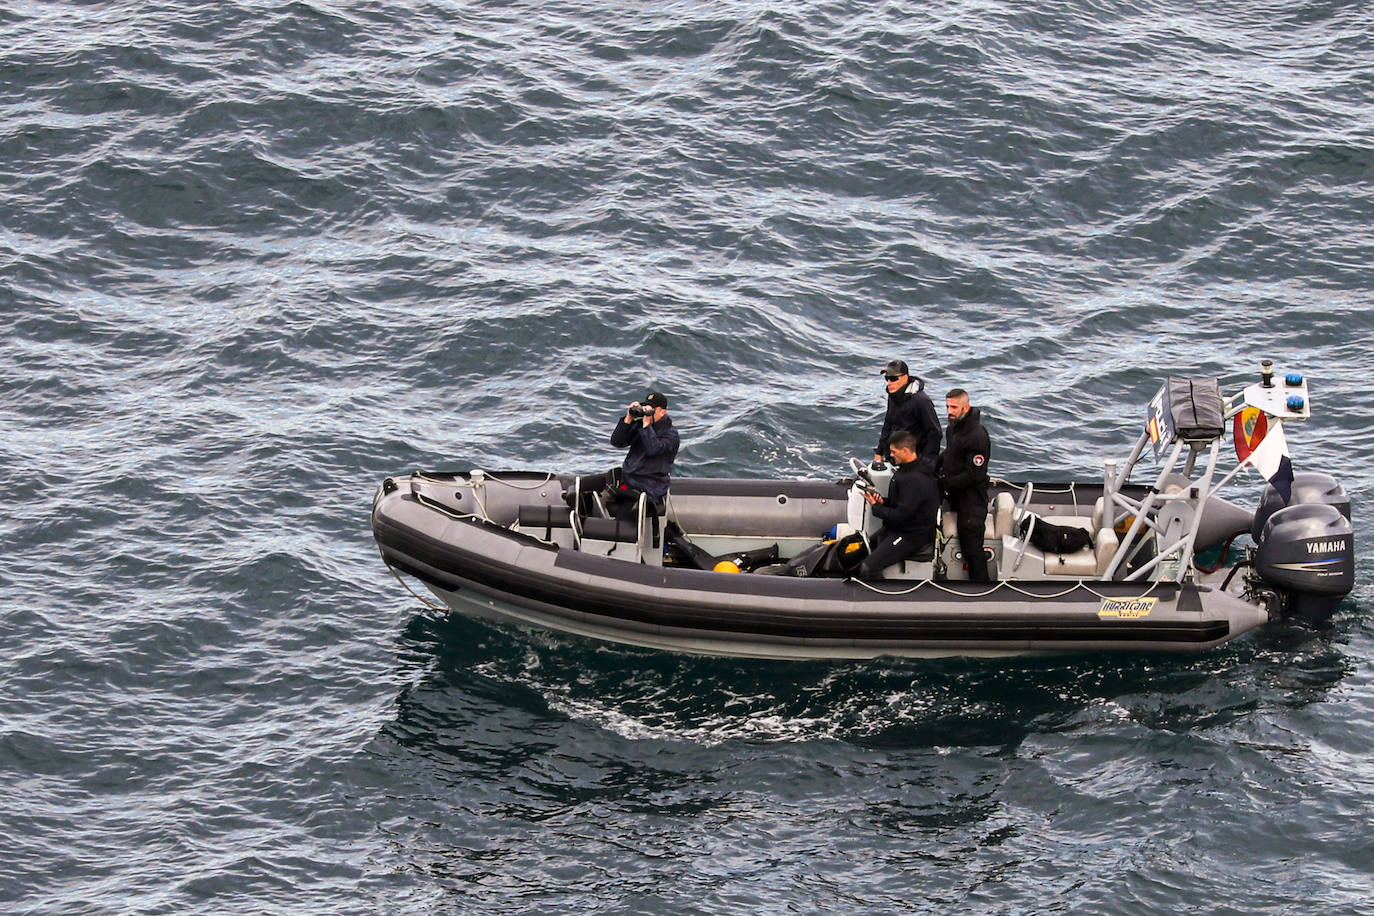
[[979, 460]]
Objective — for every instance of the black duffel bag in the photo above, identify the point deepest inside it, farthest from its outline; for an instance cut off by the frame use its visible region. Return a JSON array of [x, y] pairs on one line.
[[1050, 538]]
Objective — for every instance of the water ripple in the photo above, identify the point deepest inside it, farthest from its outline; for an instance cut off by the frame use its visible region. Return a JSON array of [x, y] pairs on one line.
[[259, 257]]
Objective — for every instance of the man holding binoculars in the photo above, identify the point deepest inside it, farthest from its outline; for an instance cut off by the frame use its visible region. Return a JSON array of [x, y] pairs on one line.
[[648, 432]]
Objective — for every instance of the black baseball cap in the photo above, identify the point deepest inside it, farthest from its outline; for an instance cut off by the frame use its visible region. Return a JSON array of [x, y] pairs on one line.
[[654, 399], [896, 367]]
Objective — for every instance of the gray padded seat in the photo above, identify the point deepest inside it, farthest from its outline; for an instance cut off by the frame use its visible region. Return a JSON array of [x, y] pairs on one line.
[[552, 524], [918, 567]]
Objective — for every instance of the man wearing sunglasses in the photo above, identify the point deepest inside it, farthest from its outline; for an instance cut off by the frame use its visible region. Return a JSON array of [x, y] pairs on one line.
[[909, 408]]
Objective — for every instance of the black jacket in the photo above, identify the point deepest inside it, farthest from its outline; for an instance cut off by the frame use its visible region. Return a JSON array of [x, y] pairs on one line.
[[910, 504], [964, 462], [652, 451], [910, 408]]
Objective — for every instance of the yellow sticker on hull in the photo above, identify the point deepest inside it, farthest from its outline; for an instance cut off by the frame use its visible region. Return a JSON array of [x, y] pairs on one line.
[[1126, 608]]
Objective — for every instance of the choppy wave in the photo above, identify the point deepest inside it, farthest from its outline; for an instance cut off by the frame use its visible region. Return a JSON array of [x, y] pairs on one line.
[[258, 257]]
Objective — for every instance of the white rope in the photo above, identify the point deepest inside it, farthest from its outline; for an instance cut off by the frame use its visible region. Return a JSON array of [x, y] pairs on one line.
[[1080, 584], [1039, 487], [548, 478], [458, 484], [441, 483], [453, 513], [406, 585]]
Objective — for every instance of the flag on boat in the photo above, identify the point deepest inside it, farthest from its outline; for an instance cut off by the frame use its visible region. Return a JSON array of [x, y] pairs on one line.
[[1270, 458], [1250, 426]]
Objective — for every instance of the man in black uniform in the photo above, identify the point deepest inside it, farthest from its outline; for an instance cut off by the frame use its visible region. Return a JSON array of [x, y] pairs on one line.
[[964, 478], [907, 513], [909, 408]]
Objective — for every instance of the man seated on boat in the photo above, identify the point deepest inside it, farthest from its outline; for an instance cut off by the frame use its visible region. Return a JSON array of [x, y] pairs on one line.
[[908, 408], [648, 431], [907, 513], [963, 471]]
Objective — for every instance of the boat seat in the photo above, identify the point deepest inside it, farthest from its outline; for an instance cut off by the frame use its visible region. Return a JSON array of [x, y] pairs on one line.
[[999, 519], [919, 567], [1002, 515], [1081, 564], [621, 531], [1104, 548], [611, 537], [638, 540], [652, 517], [551, 524], [1078, 564], [1089, 562]]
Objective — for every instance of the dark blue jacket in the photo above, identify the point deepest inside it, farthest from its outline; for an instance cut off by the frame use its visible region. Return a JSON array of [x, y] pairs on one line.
[[650, 459], [910, 408]]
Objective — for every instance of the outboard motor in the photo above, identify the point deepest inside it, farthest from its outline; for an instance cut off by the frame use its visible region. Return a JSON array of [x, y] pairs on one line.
[[1308, 487], [1306, 553]]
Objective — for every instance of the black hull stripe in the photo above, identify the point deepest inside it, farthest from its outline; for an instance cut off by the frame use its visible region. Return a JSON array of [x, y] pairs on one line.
[[448, 567]]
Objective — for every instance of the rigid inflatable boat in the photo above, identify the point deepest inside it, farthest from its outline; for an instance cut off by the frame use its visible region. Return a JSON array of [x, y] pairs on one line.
[[765, 568]]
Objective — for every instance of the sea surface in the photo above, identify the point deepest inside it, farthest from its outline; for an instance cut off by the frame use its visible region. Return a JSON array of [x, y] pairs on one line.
[[255, 257]]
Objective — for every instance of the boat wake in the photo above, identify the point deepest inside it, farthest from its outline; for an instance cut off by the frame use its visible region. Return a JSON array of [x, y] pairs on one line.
[[883, 705]]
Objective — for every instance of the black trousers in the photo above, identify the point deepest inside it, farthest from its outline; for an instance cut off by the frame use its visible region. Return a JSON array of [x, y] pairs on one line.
[[972, 507], [890, 547], [971, 543], [621, 501]]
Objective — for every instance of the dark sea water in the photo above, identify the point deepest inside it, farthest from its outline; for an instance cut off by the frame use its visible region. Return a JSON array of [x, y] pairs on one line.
[[255, 257]]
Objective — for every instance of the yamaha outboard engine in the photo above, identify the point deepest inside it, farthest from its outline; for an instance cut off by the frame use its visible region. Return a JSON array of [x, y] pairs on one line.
[[1306, 550], [1308, 487]]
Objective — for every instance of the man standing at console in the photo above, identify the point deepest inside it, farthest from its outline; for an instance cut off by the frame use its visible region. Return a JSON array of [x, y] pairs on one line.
[[909, 408], [963, 472]]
